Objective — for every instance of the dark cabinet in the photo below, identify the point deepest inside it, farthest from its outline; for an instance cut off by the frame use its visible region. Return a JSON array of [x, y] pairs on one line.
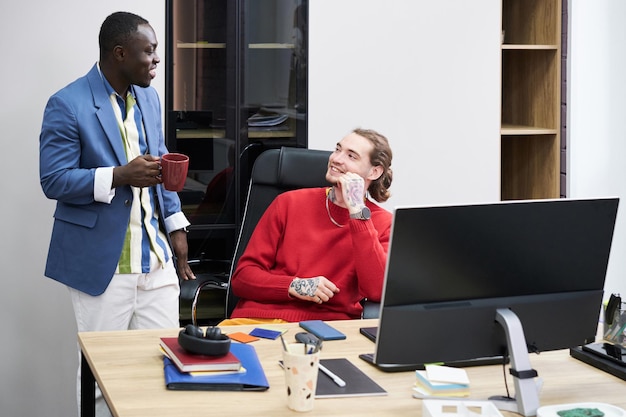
[[236, 86]]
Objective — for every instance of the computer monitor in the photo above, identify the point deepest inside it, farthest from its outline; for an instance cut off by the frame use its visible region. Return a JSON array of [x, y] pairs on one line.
[[463, 281]]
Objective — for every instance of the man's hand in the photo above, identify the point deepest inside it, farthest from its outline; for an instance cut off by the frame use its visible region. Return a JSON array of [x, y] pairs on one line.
[[352, 188], [179, 244], [316, 289], [143, 171]]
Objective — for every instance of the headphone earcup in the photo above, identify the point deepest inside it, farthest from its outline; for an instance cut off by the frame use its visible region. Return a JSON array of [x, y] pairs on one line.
[[192, 330], [198, 344], [213, 333]]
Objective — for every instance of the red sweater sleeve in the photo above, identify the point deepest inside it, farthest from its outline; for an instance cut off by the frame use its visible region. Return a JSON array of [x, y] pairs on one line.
[[255, 276], [370, 254]]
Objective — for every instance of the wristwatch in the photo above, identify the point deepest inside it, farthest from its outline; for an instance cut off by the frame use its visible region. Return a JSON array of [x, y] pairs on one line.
[[364, 214]]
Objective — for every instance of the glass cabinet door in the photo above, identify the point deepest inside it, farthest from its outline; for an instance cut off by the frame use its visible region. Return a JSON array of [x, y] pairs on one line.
[[236, 86], [274, 68]]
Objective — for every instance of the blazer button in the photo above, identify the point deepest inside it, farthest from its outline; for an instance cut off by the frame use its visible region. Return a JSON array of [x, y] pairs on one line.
[[127, 203]]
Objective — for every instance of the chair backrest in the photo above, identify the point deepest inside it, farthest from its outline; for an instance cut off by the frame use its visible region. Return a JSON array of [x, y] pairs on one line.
[[274, 172]]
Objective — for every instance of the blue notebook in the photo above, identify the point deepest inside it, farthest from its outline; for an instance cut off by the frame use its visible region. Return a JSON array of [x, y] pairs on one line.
[[253, 379]]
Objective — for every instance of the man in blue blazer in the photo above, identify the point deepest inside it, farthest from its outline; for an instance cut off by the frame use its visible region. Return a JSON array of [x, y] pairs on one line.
[[115, 226]]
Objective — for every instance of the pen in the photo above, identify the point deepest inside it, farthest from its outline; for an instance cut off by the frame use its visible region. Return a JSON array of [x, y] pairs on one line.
[[340, 382]]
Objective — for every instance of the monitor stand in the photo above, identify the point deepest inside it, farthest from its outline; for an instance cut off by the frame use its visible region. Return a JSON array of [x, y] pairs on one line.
[[526, 401]]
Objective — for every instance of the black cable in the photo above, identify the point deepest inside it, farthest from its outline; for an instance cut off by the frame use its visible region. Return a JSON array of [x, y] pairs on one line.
[[506, 384]]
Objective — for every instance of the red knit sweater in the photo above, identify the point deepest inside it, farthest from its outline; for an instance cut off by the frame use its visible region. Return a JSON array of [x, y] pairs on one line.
[[296, 238]]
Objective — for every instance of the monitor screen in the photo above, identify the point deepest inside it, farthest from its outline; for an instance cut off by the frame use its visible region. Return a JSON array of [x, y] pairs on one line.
[[450, 268]]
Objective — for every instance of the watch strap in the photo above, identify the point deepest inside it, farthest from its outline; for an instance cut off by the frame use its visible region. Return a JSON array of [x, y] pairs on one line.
[[364, 214]]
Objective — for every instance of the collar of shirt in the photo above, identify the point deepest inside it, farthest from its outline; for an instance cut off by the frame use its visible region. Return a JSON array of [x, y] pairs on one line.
[[111, 91]]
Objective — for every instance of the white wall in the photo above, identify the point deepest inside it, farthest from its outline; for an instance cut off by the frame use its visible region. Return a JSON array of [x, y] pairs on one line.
[[45, 45], [424, 73], [596, 114]]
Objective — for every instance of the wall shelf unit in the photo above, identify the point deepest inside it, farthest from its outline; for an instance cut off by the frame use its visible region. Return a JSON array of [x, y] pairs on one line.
[[531, 99]]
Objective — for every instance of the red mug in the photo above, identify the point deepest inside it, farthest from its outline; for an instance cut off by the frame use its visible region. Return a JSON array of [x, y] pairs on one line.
[[174, 168]]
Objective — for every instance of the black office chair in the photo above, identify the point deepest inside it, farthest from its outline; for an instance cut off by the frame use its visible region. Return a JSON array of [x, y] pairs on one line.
[[275, 171]]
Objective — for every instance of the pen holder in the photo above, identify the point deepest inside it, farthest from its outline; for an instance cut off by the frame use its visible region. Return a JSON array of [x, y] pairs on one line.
[[301, 368], [614, 332]]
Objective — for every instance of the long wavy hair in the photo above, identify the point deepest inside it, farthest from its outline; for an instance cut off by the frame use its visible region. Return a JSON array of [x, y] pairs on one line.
[[381, 156]]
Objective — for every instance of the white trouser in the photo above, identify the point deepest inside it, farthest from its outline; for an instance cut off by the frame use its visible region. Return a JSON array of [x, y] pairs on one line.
[[131, 301]]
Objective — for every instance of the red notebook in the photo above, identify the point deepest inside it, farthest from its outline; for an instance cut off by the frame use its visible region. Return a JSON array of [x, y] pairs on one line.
[[188, 362]]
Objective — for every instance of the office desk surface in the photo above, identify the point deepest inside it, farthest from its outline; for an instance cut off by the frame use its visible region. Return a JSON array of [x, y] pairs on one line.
[[129, 369]]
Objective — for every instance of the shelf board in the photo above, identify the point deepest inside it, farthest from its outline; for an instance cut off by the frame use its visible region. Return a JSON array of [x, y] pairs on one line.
[[271, 46], [200, 134], [200, 45], [214, 45], [220, 133], [271, 134], [509, 46], [514, 130]]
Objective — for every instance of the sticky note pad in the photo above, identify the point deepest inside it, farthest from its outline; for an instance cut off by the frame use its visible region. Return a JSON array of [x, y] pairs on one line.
[[242, 337], [275, 328], [440, 373], [265, 333]]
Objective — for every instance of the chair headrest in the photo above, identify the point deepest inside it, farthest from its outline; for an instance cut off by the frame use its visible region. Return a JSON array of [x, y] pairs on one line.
[[290, 167]]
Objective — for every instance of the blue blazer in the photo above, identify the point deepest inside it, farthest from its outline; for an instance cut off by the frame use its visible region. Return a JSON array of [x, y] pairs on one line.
[[78, 135]]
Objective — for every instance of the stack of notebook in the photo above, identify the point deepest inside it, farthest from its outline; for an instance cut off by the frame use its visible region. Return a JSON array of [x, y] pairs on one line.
[[441, 381], [240, 370], [189, 362]]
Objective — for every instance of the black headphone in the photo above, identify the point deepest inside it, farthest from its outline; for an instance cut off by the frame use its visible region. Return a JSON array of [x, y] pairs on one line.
[[211, 343]]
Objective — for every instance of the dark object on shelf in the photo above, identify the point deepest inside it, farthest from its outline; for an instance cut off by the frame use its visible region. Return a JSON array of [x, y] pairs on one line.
[[193, 119]]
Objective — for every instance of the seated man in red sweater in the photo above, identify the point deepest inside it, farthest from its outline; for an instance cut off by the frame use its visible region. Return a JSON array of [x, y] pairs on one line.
[[317, 252]]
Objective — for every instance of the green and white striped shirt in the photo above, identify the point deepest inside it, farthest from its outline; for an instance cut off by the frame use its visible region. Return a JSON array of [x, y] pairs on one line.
[[145, 243]]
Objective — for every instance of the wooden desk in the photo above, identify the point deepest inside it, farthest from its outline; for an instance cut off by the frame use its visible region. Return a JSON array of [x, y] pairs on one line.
[[128, 367]]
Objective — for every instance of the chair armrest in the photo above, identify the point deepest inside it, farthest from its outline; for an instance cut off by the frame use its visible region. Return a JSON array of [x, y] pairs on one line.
[[190, 288]]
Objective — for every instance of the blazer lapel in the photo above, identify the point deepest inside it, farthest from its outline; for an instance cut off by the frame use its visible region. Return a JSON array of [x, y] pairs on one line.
[[105, 114], [150, 124]]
